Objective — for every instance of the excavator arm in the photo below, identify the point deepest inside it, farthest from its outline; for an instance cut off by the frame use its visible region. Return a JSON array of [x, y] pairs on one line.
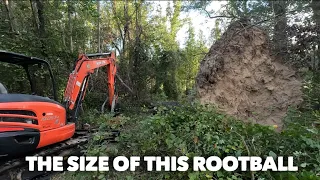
[[78, 79]]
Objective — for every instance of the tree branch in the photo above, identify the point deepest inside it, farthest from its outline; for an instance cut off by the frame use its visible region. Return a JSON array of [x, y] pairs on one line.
[[219, 16], [115, 45], [262, 21], [125, 85]]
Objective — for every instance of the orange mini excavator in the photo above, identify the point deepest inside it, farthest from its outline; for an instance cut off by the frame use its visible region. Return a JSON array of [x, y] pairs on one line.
[[29, 122]]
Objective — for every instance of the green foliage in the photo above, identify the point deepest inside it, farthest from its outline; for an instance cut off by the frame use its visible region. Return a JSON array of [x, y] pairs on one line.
[[201, 131], [311, 90]]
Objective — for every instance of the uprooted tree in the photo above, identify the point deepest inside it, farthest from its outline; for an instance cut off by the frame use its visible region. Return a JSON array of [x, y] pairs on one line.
[[241, 77]]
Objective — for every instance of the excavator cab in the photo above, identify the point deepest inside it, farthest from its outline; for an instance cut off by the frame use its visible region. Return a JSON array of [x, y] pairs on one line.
[[20, 74], [34, 120]]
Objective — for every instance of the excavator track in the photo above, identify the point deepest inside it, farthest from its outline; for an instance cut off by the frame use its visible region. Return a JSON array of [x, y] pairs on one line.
[[17, 168]]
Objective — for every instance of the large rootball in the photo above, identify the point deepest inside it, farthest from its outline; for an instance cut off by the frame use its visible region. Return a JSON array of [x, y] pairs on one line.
[[240, 76]]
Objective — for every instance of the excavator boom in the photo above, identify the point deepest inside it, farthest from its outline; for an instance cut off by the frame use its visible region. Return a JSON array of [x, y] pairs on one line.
[[78, 78]]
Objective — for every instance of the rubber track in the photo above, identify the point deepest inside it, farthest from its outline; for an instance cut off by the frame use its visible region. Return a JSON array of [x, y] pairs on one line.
[[63, 148]]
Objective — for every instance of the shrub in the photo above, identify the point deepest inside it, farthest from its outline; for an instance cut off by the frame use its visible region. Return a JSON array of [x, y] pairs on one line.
[[202, 131]]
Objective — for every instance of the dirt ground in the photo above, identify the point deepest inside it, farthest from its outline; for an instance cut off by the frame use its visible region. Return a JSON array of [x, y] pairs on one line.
[[240, 76]]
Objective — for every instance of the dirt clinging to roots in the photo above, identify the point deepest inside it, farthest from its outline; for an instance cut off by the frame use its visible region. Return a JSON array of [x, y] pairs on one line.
[[240, 77]]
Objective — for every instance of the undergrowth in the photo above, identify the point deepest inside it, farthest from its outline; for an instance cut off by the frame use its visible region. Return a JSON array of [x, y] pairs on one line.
[[202, 131]]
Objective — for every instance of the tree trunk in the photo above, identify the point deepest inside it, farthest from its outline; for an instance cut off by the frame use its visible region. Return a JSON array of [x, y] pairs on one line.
[[7, 4], [114, 11], [14, 23], [99, 43], [280, 40], [134, 65], [315, 5], [126, 26], [124, 43], [69, 3], [40, 8], [35, 17], [41, 26]]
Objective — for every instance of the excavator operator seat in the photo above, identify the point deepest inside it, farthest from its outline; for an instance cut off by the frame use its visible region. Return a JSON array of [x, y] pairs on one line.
[[3, 89]]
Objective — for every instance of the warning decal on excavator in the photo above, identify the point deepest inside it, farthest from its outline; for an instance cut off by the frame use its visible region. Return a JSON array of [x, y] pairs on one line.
[[78, 83]]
